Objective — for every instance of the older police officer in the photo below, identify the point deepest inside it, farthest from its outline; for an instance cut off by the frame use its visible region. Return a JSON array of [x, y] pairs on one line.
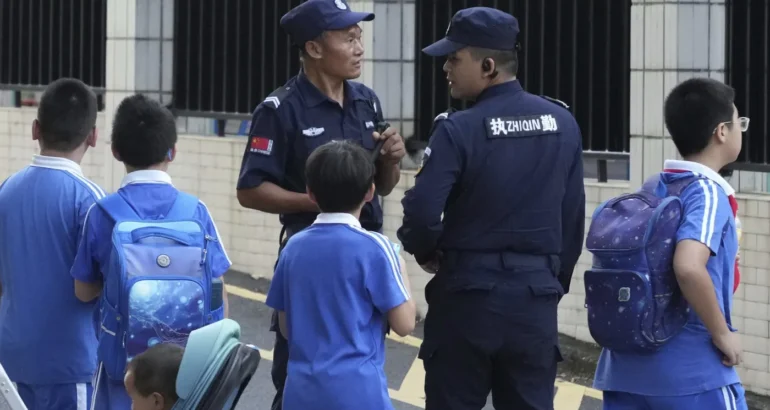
[[508, 176], [316, 106]]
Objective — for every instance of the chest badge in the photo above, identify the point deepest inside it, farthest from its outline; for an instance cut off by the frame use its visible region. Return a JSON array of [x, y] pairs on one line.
[[313, 132], [369, 124]]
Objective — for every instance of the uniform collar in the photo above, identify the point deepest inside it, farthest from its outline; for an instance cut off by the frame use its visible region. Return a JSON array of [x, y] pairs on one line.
[[313, 96], [511, 87], [337, 218], [59, 163], [700, 169], [146, 176]]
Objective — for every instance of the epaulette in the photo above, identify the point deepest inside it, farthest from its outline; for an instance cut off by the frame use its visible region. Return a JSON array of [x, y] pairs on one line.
[[443, 115], [274, 99], [555, 101]]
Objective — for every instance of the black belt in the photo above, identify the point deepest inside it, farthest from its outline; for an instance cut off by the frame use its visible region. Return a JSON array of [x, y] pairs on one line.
[[287, 231], [502, 259]]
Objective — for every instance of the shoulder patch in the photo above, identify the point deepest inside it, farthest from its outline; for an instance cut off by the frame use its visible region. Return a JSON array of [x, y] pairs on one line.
[[521, 126], [556, 101], [274, 99]]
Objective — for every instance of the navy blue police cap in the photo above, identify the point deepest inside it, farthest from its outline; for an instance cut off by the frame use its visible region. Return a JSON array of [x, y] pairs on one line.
[[311, 18], [477, 27]]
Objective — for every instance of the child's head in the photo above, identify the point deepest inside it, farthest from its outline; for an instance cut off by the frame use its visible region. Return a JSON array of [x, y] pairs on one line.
[[151, 377], [66, 117], [703, 121], [340, 177], [143, 134]]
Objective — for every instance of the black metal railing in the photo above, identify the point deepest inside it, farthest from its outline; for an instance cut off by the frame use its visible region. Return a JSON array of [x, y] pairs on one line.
[[43, 40], [573, 50], [748, 59], [229, 55]]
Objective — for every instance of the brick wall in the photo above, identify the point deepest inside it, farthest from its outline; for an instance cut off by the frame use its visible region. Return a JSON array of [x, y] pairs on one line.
[[208, 167]]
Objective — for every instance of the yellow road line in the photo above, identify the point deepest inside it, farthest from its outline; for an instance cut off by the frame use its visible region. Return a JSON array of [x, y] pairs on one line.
[[245, 293], [568, 397]]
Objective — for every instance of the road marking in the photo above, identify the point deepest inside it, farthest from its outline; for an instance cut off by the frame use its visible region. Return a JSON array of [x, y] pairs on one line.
[[569, 396], [412, 390]]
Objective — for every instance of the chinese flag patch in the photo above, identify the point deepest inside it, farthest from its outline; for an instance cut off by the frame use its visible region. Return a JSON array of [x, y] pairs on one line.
[[261, 145]]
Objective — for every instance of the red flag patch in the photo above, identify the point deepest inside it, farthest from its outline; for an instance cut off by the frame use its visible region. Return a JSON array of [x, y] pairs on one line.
[[261, 145]]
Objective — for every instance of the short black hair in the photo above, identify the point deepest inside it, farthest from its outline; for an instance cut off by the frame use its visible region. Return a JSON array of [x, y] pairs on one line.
[[143, 131], [692, 111], [339, 174], [505, 60], [156, 369], [66, 114]]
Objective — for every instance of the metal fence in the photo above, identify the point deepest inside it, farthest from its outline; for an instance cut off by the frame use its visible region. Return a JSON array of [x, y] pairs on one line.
[[573, 50], [748, 60], [43, 40], [229, 55]]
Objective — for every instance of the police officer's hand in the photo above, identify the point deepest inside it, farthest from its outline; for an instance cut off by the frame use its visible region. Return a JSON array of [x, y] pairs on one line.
[[393, 149], [433, 265]]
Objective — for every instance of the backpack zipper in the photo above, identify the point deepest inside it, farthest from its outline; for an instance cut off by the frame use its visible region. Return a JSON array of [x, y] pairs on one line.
[[205, 251]]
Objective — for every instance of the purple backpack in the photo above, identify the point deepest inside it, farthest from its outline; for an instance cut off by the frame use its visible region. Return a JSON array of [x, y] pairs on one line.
[[633, 299]]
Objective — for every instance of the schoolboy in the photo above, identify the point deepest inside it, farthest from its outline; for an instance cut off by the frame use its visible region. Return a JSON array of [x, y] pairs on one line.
[[151, 377], [696, 368], [143, 138], [335, 287], [47, 340]]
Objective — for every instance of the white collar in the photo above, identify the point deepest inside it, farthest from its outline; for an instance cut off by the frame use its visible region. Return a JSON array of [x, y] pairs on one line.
[[59, 163], [337, 218], [146, 176], [700, 169]]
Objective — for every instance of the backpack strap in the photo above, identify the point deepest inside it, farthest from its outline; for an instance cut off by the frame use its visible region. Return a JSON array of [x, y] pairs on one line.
[[184, 206], [677, 187], [673, 189], [117, 208]]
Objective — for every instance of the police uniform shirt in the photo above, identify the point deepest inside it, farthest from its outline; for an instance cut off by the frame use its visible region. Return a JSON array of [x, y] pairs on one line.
[[507, 174], [292, 122]]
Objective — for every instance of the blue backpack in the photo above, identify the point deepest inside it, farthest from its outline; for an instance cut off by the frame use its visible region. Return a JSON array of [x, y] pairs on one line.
[[157, 285], [633, 299]]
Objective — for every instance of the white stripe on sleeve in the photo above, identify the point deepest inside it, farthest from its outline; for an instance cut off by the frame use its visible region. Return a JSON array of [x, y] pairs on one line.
[[395, 265]]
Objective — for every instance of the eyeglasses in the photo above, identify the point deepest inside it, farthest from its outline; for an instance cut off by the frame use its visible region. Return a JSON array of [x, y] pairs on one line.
[[743, 121]]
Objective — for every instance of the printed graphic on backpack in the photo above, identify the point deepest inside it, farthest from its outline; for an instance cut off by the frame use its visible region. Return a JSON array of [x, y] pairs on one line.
[[633, 300]]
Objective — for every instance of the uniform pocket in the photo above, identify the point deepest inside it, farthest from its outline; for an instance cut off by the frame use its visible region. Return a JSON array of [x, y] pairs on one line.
[[427, 353]]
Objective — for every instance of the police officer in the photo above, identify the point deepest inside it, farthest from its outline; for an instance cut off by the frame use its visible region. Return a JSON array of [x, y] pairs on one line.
[[316, 106], [507, 174]]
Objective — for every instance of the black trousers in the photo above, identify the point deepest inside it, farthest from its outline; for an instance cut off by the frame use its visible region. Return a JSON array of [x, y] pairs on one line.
[[281, 347], [491, 330]]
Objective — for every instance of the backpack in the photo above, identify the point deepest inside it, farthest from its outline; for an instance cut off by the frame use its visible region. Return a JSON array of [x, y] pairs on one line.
[[157, 286], [633, 299]]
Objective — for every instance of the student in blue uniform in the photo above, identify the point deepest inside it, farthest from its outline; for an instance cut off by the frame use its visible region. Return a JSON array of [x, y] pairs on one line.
[[696, 368], [321, 103], [336, 287], [47, 340], [507, 174], [143, 138]]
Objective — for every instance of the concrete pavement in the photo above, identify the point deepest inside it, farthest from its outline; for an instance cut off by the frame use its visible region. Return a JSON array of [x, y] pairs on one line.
[[405, 371]]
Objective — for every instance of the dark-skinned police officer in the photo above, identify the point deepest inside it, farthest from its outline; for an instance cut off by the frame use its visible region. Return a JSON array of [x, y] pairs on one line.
[[316, 106], [507, 174]]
